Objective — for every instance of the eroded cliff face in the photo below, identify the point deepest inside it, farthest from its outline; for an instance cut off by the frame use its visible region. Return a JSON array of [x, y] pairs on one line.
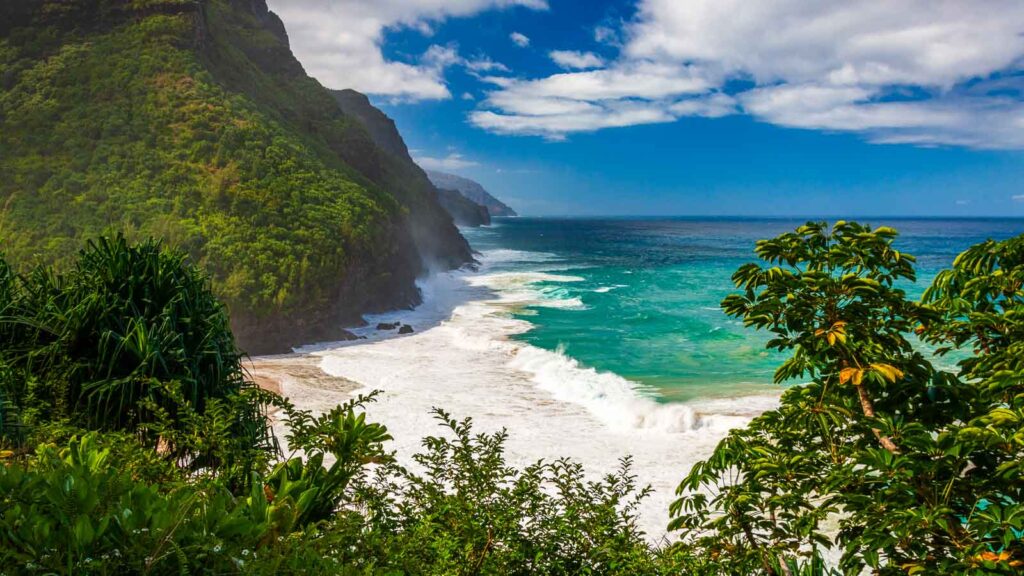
[[472, 190], [464, 211], [193, 122], [432, 227]]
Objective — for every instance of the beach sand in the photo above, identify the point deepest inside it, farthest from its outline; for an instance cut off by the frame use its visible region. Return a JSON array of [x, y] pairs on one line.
[[462, 358], [297, 376]]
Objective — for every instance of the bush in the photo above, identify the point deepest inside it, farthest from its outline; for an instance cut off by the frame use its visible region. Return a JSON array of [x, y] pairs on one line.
[[130, 339], [469, 512], [147, 452], [881, 462]]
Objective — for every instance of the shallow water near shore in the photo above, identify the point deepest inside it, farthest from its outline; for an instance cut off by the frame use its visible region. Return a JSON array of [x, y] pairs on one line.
[[592, 340]]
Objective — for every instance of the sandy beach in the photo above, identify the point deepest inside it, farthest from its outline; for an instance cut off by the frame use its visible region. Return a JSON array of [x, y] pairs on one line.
[[461, 358]]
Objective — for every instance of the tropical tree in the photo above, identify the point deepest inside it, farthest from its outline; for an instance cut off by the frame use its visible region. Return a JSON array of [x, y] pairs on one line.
[[130, 338], [866, 461]]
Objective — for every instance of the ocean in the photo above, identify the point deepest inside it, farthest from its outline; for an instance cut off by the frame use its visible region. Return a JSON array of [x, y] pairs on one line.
[[640, 297], [594, 339]]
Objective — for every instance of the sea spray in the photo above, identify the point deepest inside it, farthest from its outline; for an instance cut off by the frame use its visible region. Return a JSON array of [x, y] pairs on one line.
[[464, 358]]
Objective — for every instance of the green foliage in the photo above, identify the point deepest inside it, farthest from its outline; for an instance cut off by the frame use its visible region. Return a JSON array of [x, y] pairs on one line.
[[75, 510], [345, 437], [149, 453], [114, 331], [469, 512], [69, 510], [139, 447], [130, 339], [131, 124], [878, 459]]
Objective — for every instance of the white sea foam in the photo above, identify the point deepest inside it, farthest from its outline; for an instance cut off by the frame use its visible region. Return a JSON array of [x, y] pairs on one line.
[[461, 359], [618, 403], [606, 289]]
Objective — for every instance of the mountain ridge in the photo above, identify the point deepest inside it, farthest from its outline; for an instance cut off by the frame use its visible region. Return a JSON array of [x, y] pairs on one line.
[[193, 122], [472, 190]]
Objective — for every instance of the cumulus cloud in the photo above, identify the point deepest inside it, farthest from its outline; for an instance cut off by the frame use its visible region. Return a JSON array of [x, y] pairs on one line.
[[921, 42], [924, 72], [634, 93], [519, 39], [575, 60], [452, 162], [339, 41]]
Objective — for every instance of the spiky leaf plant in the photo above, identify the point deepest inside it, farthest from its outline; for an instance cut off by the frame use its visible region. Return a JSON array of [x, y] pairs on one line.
[[130, 336]]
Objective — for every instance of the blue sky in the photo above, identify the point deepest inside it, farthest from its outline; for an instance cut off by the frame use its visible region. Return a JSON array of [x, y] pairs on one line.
[[694, 107]]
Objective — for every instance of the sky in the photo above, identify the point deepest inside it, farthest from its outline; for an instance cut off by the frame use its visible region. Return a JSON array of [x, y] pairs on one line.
[[694, 107]]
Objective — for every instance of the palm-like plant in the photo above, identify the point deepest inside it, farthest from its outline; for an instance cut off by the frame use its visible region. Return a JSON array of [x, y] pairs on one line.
[[130, 335]]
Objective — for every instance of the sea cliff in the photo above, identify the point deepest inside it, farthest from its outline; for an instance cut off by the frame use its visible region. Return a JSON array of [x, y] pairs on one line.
[[193, 122]]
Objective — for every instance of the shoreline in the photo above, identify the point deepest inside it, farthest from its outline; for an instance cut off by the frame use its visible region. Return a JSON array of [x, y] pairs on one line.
[[277, 372], [462, 358]]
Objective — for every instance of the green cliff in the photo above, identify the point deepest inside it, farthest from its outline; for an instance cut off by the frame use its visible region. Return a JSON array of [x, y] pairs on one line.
[[192, 122]]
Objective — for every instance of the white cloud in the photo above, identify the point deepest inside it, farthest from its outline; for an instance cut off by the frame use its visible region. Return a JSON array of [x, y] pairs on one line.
[[555, 126], [647, 80], [519, 39], [710, 106], [1017, 197], [627, 94], [575, 60], [973, 122], [485, 64], [922, 72], [339, 41], [440, 57], [453, 161], [606, 35], [922, 42]]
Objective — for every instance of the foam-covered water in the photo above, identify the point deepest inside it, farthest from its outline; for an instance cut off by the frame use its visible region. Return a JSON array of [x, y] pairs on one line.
[[583, 339]]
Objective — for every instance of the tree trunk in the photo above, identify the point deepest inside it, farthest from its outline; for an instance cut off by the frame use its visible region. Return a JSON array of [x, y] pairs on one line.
[[869, 411]]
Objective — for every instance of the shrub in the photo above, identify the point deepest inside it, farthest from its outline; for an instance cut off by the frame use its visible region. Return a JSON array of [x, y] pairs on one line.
[[130, 339], [469, 512]]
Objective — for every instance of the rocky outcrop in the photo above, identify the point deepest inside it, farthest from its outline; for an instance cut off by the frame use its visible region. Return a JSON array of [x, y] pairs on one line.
[[471, 190], [464, 211], [378, 125]]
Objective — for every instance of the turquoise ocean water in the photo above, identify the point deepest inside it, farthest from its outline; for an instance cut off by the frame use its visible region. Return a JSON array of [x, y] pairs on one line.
[[642, 295]]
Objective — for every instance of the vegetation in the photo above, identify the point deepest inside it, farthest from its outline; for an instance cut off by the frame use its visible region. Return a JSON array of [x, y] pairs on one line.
[[193, 123], [133, 444], [882, 459], [141, 449]]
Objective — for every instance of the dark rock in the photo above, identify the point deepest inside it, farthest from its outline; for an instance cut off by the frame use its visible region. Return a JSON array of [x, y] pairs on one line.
[[388, 326], [471, 190], [464, 211], [405, 329]]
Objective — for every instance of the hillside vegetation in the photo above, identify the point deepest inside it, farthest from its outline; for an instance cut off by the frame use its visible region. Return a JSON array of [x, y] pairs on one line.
[[192, 122], [131, 441]]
